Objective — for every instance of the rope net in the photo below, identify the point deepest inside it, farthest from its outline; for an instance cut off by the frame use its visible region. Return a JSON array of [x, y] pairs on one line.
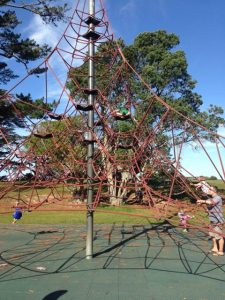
[[138, 142]]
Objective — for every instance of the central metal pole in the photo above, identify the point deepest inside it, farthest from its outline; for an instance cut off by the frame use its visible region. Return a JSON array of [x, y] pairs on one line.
[[90, 150]]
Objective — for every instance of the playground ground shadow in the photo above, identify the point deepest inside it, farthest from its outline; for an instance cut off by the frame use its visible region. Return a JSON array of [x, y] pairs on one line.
[[129, 262]]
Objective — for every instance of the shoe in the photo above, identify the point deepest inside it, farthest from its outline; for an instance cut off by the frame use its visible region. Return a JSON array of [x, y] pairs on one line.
[[185, 230]]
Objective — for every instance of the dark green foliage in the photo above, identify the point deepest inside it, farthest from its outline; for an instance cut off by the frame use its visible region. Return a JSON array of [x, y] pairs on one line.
[[13, 112], [32, 108], [12, 45], [14, 109], [64, 149], [105, 67], [154, 56], [165, 69]]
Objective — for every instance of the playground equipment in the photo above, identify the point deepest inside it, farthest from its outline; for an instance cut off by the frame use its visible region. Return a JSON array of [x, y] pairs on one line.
[[83, 154]]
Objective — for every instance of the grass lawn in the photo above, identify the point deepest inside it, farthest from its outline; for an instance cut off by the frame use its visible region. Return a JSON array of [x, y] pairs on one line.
[[103, 215], [106, 215], [218, 183]]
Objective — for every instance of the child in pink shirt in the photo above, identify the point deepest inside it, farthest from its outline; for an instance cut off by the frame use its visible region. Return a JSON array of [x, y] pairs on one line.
[[184, 219]]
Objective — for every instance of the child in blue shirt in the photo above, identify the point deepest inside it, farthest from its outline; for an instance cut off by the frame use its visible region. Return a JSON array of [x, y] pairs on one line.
[[17, 215]]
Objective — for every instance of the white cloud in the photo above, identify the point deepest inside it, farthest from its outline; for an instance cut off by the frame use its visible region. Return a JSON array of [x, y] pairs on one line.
[[51, 35], [43, 33], [129, 8], [47, 33]]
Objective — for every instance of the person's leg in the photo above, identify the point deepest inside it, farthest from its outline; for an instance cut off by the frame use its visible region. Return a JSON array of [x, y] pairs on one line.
[[219, 239], [214, 248], [184, 223], [221, 245]]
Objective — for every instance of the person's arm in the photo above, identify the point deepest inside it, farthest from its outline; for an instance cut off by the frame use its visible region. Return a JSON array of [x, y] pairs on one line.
[[197, 185], [207, 201]]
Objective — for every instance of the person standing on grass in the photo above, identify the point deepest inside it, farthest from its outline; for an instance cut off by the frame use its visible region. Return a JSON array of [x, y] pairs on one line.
[[216, 218], [17, 215]]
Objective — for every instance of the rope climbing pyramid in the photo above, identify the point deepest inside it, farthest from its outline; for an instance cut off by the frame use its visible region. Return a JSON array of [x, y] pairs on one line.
[[137, 138]]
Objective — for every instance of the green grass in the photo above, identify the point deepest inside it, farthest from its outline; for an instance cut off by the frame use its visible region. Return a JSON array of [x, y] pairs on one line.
[[108, 215], [74, 217], [218, 183]]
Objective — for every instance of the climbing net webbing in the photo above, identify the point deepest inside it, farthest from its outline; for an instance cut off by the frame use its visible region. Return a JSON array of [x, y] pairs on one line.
[[46, 165]]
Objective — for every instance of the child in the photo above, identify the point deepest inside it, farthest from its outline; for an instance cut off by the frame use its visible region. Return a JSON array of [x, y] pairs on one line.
[[138, 184], [183, 219], [139, 176], [202, 184], [17, 213], [122, 111]]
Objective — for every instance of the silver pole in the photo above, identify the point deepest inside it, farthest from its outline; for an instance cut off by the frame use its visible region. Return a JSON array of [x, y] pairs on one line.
[[90, 150]]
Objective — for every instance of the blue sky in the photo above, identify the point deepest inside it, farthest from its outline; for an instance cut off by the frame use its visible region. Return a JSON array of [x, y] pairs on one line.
[[200, 25]]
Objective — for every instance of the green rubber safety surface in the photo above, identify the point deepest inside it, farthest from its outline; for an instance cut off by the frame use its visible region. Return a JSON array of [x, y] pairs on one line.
[[130, 262]]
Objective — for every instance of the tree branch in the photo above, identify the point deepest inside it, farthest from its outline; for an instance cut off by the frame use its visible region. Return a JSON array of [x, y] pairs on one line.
[[27, 7]]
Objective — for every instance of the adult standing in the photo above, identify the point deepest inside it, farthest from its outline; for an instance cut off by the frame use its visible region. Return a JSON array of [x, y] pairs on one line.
[[216, 218]]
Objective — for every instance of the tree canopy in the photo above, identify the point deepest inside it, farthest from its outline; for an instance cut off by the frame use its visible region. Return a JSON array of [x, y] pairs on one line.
[[13, 45], [164, 67], [165, 70]]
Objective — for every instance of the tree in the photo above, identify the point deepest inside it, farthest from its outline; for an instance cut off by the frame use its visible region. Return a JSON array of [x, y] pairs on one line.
[[14, 110], [15, 48], [12, 45], [61, 155], [154, 56], [212, 178]]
